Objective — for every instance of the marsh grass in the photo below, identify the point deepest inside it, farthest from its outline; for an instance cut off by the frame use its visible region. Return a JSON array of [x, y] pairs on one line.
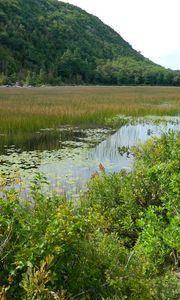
[[29, 109]]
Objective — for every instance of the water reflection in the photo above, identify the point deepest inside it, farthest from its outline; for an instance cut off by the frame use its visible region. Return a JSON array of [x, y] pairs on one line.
[[76, 171], [129, 135], [45, 139], [70, 156]]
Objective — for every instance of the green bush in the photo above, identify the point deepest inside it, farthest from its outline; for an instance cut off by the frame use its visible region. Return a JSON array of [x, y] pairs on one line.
[[120, 242]]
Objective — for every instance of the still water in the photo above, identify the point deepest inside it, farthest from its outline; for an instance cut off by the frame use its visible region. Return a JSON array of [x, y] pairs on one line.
[[70, 156]]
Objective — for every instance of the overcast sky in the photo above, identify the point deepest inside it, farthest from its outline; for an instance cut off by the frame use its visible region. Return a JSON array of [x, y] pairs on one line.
[[150, 26]]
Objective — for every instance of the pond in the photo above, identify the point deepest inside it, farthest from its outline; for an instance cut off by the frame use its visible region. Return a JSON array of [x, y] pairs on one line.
[[70, 156]]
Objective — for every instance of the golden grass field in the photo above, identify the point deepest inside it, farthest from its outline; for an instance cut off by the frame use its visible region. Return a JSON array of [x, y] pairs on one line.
[[29, 109]]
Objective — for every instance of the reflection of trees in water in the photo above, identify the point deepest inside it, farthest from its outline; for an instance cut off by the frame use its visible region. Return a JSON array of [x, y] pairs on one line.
[[128, 136], [42, 140], [71, 167]]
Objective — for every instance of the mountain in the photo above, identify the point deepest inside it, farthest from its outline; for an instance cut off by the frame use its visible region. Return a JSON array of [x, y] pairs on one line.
[[48, 41]]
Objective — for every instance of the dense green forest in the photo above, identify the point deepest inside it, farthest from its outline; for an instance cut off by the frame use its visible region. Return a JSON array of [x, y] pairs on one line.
[[47, 41]]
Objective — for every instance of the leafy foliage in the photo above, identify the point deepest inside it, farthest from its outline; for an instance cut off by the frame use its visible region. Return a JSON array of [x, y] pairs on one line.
[[49, 41], [120, 242]]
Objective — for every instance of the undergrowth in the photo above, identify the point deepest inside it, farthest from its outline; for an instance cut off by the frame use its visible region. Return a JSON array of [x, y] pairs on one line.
[[120, 242]]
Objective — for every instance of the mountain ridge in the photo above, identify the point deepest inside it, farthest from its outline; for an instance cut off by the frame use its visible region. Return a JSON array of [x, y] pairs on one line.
[[49, 41]]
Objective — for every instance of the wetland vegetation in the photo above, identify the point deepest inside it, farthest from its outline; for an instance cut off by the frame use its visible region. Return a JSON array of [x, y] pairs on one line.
[[119, 237], [120, 241], [24, 110], [89, 175]]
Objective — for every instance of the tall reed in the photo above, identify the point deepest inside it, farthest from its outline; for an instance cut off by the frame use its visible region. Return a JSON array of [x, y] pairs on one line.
[[29, 109]]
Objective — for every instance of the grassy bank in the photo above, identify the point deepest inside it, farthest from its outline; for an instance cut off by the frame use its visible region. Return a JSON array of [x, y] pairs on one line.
[[121, 242], [29, 109]]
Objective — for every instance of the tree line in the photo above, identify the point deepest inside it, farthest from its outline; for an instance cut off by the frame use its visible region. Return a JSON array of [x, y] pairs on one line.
[[51, 42]]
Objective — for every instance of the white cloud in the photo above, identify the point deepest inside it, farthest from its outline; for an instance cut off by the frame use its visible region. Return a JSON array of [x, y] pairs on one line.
[[150, 26]]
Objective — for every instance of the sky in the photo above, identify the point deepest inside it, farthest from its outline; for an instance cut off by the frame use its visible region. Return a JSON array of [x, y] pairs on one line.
[[149, 26]]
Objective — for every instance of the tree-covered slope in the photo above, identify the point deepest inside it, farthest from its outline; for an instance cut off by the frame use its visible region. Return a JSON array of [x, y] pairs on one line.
[[47, 41]]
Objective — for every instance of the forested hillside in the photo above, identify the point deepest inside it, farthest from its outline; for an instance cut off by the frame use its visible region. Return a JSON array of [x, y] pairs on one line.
[[47, 41]]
